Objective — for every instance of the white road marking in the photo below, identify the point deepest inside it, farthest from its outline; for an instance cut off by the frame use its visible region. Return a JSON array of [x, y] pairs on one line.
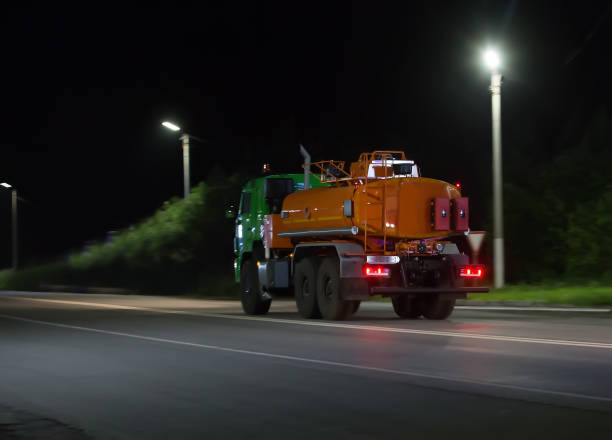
[[464, 335], [535, 309], [377, 305], [459, 380]]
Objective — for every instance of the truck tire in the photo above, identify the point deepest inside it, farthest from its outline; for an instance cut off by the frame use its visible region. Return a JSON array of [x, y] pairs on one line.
[[406, 307], [438, 308], [305, 288], [329, 297], [250, 296]]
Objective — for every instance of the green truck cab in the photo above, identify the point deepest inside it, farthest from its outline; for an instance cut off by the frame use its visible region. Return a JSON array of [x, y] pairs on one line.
[[255, 203]]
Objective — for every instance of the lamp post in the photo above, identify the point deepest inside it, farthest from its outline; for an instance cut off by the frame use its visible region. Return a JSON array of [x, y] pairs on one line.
[[15, 253], [185, 138], [492, 60]]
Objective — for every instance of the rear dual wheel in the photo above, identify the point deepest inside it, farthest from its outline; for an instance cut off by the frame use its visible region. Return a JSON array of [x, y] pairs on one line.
[[431, 308], [305, 288], [329, 296], [406, 307], [317, 290], [438, 308]]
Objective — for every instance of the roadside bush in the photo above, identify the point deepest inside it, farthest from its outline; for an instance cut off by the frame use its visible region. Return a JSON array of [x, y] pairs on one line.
[[185, 247]]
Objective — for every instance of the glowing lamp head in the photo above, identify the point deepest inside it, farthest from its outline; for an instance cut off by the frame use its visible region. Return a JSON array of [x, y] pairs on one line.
[[6, 185], [491, 59], [171, 126]]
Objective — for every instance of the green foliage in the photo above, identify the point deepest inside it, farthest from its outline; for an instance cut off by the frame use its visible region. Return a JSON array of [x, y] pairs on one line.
[[185, 243], [559, 215], [589, 241], [184, 247], [32, 278]]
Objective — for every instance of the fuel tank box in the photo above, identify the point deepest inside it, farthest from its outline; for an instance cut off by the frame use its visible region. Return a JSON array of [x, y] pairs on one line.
[[271, 228]]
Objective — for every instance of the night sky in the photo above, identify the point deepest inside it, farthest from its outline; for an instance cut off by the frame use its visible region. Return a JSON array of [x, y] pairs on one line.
[[84, 92]]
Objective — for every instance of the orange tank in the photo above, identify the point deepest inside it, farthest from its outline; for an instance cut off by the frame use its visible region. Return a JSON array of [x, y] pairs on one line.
[[380, 203]]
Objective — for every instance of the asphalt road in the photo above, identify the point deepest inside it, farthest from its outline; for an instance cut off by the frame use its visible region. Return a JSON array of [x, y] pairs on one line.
[[110, 366]]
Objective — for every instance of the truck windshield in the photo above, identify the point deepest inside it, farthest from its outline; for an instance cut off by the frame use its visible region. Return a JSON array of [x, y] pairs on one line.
[[245, 203]]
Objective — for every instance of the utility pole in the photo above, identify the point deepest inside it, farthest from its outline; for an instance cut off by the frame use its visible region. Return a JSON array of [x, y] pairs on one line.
[[498, 219], [185, 139], [14, 228]]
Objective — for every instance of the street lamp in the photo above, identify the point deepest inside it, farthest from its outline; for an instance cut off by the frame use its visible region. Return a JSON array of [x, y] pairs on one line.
[[185, 139], [493, 61], [14, 221]]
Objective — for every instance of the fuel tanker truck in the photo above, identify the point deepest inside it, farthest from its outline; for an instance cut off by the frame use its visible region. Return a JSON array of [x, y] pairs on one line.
[[334, 237]]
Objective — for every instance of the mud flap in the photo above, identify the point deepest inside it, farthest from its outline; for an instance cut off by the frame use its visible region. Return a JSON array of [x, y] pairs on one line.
[[354, 289]]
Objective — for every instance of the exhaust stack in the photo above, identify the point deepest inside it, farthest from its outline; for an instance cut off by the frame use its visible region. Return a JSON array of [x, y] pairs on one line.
[[306, 166]]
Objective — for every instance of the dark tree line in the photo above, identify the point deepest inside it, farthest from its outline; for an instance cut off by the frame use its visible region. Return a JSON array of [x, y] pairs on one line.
[[558, 211]]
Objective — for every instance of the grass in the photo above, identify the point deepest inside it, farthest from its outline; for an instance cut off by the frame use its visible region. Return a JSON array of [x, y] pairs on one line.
[[579, 295], [576, 295]]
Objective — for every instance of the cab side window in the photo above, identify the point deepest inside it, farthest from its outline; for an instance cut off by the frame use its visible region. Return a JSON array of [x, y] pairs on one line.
[[245, 203]]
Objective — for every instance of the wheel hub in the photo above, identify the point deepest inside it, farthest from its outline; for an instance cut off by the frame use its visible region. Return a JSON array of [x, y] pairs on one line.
[[329, 290], [306, 287]]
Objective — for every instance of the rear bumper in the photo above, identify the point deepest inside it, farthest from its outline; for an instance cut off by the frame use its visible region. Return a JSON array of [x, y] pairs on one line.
[[456, 292]]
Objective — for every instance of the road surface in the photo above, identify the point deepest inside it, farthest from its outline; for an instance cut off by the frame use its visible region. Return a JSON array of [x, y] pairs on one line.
[[127, 366]]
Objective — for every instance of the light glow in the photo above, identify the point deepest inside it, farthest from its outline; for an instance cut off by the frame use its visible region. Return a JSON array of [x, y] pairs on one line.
[[6, 185], [491, 59], [471, 271], [376, 271], [171, 126]]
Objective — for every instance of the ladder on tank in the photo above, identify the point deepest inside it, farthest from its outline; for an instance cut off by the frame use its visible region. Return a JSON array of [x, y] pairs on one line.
[[381, 201]]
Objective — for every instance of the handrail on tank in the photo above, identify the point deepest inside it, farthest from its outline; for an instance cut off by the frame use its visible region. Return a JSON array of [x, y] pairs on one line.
[[328, 167], [369, 157], [366, 160], [333, 171]]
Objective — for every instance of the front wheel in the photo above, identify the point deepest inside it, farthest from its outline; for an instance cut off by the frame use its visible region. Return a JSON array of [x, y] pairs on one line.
[[250, 296]]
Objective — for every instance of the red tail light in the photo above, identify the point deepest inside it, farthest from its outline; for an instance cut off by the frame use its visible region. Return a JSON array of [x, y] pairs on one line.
[[376, 271], [471, 271]]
